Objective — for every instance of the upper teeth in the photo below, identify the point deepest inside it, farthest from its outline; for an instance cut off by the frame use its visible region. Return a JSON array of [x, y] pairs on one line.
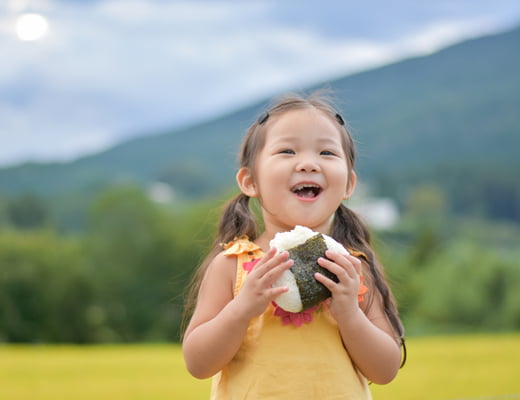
[[305, 186]]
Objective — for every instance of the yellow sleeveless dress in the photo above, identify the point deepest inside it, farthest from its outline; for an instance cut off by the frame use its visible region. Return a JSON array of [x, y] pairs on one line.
[[278, 361]]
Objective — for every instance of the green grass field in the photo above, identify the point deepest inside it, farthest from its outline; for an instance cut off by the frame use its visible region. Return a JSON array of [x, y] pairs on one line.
[[480, 367]]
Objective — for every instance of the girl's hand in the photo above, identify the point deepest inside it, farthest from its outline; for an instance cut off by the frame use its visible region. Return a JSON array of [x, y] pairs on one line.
[[257, 292], [345, 292]]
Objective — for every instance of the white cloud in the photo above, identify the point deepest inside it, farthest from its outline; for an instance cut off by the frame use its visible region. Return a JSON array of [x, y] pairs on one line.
[[35, 133], [114, 68], [442, 33], [192, 15], [18, 6]]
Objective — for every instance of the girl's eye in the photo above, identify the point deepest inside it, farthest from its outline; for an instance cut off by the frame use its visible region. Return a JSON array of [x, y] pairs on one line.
[[327, 153], [287, 151]]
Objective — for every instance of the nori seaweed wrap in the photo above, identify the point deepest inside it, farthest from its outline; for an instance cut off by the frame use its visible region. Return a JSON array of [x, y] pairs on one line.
[[305, 258], [304, 247]]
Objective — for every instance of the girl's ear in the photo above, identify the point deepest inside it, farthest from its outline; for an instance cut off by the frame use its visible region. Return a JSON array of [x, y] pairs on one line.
[[351, 185], [246, 182]]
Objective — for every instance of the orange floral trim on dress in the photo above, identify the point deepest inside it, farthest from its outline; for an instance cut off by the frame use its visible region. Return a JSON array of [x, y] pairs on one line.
[[239, 246], [362, 290]]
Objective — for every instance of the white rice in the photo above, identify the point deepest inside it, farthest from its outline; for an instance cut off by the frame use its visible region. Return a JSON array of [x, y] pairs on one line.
[[290, 300]]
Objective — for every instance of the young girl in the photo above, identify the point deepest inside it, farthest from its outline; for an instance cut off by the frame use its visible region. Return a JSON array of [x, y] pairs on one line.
[[297, 159]]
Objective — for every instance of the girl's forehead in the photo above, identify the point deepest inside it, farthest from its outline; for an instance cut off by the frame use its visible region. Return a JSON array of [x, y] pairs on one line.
[[301, 113], [297, 121]]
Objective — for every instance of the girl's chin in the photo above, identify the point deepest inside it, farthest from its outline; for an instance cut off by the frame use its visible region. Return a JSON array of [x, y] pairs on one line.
[[318, 225]]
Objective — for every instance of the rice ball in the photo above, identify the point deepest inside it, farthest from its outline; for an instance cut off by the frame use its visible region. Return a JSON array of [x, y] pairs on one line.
[[305, 247]]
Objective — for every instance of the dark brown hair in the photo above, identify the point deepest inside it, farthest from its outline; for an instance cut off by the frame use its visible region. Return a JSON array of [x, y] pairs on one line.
[[238, 219]]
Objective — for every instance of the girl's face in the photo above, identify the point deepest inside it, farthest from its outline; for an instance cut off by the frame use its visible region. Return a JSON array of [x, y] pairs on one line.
[[301, 173]]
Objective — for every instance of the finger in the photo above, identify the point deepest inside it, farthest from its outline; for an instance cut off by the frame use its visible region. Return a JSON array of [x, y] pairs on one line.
[[269, 260], [273, 274], [351, 264], [269, 255], [328, 283], [342, 269], [356, 262], [274, 292], [276, 261]]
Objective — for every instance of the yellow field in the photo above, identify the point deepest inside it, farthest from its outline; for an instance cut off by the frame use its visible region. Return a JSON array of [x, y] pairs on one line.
[[438, 368]]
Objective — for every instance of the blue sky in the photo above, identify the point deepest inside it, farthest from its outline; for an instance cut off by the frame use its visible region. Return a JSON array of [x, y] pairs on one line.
[[108, 70]]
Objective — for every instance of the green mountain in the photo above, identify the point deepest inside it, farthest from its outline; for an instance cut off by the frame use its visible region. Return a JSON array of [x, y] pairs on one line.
[[457, 107]]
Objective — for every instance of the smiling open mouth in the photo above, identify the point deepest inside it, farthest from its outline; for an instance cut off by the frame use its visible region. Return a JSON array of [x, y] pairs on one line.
[[307, 190]]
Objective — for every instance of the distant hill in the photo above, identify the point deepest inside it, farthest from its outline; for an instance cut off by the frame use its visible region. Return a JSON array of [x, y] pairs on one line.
[[457, 106]]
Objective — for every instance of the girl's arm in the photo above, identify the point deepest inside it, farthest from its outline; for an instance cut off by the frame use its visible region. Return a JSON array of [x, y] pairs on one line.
[[220, 321], [368, 338]]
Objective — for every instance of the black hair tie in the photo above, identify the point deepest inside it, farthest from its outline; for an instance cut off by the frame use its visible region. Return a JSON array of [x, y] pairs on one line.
[[263, 117]]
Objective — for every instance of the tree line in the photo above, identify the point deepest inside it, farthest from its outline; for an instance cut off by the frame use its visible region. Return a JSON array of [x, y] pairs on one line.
[[123, 278]]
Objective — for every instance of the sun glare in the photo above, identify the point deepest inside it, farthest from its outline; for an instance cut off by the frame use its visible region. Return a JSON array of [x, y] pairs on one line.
[[31, 27]]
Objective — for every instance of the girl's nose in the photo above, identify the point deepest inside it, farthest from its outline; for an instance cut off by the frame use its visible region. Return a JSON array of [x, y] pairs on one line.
[[308, 164]]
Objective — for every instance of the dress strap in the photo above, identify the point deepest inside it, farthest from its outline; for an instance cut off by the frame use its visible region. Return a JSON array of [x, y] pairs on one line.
[[246, 253]]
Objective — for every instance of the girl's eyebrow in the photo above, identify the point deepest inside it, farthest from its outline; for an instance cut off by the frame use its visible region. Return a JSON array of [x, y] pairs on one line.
[[284, 138], [292, 138], [329, 141]]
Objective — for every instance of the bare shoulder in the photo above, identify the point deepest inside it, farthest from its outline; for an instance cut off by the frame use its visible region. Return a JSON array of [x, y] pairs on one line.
[[221, 269]]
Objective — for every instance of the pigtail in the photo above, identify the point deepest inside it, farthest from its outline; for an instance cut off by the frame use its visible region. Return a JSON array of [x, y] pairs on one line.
[[351, 231], [236, 220], [348, 228]]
